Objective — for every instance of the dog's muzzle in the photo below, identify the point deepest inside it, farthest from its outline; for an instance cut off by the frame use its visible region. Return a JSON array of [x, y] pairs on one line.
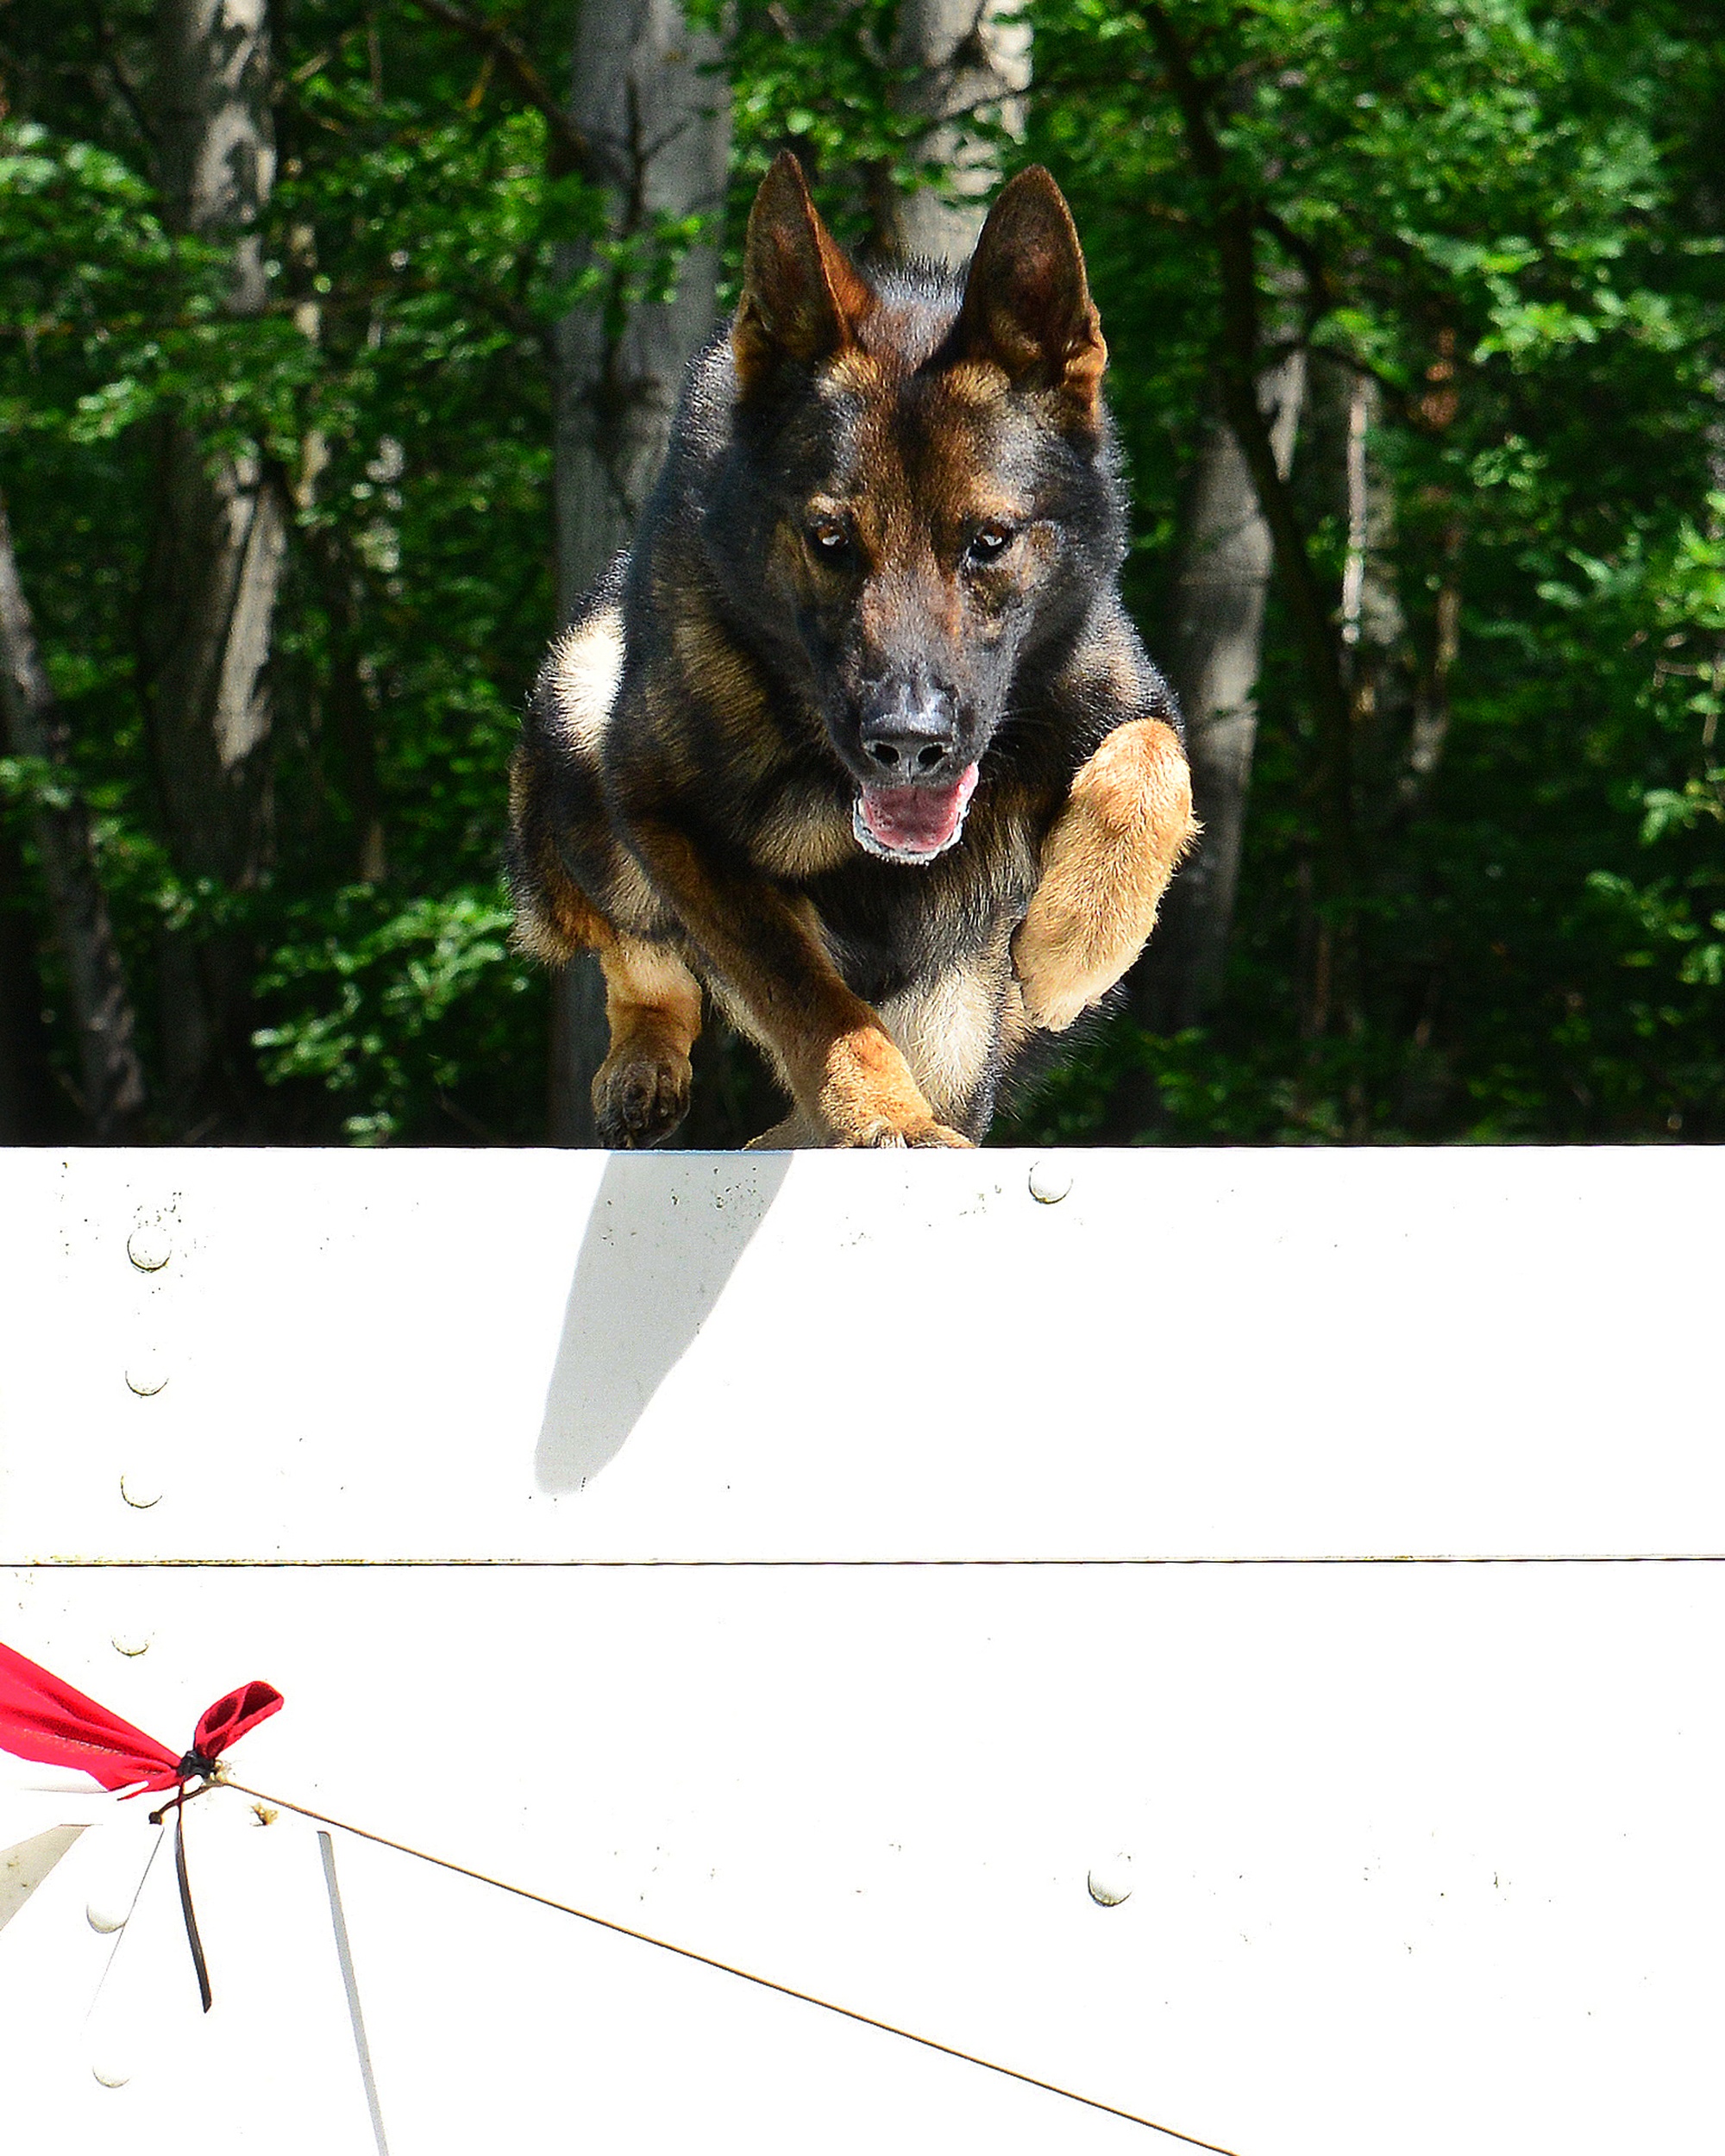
[[913, 825]]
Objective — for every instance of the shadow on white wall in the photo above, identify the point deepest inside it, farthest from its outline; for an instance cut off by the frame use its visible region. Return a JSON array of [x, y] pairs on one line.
[[659, 1248]]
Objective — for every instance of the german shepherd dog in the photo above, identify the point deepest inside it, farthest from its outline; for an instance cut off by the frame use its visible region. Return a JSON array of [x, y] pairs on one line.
[[860, 736]]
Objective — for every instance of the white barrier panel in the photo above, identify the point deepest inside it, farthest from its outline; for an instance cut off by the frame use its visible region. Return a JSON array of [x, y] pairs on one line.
[[1424, 1859], [1421, 1856], [552, 1356]]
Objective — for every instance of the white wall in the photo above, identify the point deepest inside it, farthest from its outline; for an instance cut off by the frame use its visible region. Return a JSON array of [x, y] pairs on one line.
[[1424, 1855]]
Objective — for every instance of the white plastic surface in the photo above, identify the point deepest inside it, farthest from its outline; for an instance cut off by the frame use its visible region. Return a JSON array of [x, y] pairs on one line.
[[1423, 1857], [549, 1357]]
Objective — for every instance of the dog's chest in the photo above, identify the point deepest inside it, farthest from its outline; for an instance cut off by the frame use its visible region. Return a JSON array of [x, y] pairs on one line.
[[891, 930]]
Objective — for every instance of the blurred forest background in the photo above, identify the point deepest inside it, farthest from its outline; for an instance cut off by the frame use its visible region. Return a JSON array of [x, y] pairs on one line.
[[337, 343]]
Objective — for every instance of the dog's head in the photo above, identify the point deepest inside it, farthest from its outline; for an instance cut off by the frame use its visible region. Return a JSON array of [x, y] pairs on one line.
[[921, 494]]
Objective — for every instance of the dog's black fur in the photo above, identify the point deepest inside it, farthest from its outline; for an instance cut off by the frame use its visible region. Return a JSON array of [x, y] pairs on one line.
[[879, 570]]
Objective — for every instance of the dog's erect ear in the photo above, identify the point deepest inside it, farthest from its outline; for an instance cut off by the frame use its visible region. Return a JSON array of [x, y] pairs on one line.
[[1027, 305], [801, 298]]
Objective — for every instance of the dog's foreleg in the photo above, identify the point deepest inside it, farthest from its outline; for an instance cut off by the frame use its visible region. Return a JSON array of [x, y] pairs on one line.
[[652, 1001], [842, 1068], [797, 1133], [1106, 862], [652, 1004]]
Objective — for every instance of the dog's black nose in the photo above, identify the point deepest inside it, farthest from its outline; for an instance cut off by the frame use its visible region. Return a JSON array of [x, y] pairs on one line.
[[909, 737]]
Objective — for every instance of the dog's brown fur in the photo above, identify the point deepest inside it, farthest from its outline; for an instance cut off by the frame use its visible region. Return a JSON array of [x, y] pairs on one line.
[[683, 798], [1104, 869]]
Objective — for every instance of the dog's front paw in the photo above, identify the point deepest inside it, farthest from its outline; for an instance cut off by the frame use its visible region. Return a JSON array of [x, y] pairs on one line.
[[1126, 824], [1054, 988], [924, 1132], [869, 1098], [639, 1099], [1051, 1011]]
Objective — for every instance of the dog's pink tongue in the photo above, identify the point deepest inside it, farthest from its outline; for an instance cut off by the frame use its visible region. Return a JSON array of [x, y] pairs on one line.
[[916, 819]]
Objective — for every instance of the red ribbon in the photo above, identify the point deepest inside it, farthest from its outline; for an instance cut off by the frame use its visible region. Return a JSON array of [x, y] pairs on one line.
[[43, 1718]]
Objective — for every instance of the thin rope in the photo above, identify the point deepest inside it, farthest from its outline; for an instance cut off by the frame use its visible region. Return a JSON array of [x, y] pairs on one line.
[[725, 1968]]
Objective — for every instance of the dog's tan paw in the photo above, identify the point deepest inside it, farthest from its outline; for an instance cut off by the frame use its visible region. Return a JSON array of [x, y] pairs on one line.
[[797, 1133], [884, 1135], [1050, 1007], [1106, 862], [639, 1099], [1055, 982], [1055, 1015], [869, 1098]]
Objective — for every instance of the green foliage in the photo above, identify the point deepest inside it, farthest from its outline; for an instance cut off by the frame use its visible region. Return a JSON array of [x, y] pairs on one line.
[[400, 383], [1510, 216], [818, 82], [392, 1010]]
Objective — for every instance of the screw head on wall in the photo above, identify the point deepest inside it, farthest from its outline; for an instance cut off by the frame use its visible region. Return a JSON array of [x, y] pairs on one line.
[[1111, 1881], [1050, 1181], [149, 1245]]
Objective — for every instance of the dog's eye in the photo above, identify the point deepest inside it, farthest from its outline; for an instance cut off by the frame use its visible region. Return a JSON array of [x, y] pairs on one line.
[[829, 541], [990, 543]]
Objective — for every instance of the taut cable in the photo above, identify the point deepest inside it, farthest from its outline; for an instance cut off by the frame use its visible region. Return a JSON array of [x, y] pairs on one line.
[[725, 1968]]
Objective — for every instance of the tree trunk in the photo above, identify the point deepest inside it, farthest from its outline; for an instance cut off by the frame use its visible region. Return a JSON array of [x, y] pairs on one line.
[[972, 60], [1436, 409], [1215, 644], [111, 1075], [1334, 986], [1348, 480], [351, 701], [27, 1091], [1373, 624], [654, 121], [216, 564], [1429, 733]]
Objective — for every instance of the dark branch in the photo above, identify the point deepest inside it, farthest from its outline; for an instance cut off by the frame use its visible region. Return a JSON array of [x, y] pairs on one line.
[[569, 150], [115, 70], [1320, 291]]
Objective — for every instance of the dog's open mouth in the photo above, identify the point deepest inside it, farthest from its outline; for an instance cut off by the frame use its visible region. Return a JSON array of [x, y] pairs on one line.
[[912, 823]]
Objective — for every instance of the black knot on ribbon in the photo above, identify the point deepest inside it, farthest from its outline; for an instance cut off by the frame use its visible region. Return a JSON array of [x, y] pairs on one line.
[[42, 1718]]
